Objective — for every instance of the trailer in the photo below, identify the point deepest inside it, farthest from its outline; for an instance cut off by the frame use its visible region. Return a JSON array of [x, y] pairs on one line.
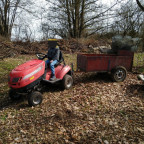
[[116, 64]]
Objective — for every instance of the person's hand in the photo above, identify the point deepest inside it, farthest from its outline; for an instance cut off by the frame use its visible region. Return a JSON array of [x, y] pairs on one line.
[[51, 61]]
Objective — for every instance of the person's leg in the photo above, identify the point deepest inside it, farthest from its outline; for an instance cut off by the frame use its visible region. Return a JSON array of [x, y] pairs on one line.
[[53, 68], [46, 63]]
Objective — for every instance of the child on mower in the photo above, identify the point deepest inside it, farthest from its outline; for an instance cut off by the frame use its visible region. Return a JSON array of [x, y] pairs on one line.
[[53, 57]]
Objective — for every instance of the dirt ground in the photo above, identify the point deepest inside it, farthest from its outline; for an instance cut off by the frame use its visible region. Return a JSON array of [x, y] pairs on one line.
[[95, 110]]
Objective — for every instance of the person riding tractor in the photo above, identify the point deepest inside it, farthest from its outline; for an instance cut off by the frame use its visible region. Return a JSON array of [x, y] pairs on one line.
[[53, 56], [29, 78]]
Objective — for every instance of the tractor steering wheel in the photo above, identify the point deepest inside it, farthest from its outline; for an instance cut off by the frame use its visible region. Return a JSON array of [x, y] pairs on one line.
[[40, 56]]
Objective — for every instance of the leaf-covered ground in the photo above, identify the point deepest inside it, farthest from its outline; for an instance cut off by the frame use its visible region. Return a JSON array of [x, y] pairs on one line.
[[95, 110]]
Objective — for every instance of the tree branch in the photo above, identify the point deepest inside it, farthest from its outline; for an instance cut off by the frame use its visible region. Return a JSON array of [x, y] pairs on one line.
[[140, 5]]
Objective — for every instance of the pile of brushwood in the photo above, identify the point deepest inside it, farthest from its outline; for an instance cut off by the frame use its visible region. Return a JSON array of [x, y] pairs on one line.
[[11, 49]]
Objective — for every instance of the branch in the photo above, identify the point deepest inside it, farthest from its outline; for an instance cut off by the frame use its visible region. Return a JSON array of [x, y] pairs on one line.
[[101, 13], [14, 14], [140, 5]]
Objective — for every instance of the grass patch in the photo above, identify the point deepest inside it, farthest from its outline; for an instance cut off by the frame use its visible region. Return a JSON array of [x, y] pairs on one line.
[[141, 69], [138, 59], [71, 58], [3, 117], [138, 62]]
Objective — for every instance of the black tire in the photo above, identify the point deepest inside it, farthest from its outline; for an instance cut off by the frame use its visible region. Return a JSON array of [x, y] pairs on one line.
[[67, 82], [35, 98], [13, 95], [119, 74]]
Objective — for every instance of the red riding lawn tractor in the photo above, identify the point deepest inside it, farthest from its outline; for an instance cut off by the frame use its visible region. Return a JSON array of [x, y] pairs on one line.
[[28, 78]]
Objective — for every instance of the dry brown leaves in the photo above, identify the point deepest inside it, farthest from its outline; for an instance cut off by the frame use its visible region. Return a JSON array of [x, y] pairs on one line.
[[95, 110]]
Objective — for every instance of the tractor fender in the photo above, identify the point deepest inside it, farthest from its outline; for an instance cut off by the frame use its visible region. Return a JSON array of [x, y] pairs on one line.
[[66, 69]]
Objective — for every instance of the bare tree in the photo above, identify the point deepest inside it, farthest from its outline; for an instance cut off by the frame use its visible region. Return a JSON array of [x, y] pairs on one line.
[[72, 16], [8, 9], [129, 19], [140, 5], [77, 18]]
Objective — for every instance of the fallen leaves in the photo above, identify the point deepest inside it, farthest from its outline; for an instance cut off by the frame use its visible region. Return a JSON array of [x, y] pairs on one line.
[[141, 129], [95, 110]]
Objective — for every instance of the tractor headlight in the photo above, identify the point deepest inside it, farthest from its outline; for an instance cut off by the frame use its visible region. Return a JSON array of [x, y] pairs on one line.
[[32, 73]]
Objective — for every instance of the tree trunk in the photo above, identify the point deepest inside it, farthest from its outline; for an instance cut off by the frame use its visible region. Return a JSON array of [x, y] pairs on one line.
[[7, 20], [69, 18], [76, 24], [82, 18]]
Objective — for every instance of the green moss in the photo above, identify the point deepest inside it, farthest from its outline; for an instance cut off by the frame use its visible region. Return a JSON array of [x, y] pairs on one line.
[[3, 117], [141, 70]]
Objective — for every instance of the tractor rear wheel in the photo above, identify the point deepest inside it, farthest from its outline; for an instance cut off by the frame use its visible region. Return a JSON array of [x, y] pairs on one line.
[[34, 98], [119, 74], [67, 82]]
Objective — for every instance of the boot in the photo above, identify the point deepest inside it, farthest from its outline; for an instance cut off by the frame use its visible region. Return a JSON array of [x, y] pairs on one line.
[[53, 78]]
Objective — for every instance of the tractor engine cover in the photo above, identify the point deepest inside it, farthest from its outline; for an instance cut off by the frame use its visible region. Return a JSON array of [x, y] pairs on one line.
[[26, 74]]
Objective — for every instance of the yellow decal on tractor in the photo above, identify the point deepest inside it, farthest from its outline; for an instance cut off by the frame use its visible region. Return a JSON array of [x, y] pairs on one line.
[[32, 78]]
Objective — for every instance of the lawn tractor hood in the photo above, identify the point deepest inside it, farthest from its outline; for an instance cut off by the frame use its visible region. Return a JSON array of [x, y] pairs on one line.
[[26, 73]]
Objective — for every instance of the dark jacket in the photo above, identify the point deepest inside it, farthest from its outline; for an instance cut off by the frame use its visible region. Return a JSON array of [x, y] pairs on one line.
[[53, 54]]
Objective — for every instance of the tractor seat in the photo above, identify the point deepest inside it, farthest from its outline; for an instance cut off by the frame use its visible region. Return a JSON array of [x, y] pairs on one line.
[[61, 59]]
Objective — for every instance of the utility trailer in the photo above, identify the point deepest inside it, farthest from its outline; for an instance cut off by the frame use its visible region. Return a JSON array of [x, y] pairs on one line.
[[117, 64]]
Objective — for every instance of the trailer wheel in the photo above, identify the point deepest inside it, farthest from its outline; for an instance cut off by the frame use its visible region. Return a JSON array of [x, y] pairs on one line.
[[13, 95], [67, 82], [34, 98], [119, 74]]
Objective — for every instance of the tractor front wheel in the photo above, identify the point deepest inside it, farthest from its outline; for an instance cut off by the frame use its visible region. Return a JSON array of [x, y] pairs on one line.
[[34, 98], [67, 82]]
